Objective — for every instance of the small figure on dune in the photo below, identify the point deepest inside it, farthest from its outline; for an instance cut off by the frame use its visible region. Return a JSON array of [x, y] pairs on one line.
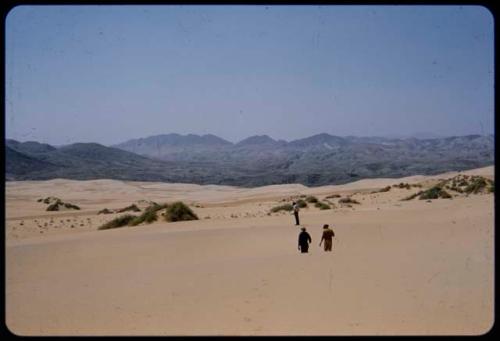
[[304, 240], [327, 236], [296, 212]]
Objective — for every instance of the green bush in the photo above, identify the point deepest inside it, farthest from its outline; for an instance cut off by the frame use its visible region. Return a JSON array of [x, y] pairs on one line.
[[301, 203], [348, 200], [53, 207], [123, 220], [322, 206], [149, 215], [178, 211], [435, 192], [284, 207], [71, 206], [311, 199], [477, 185]]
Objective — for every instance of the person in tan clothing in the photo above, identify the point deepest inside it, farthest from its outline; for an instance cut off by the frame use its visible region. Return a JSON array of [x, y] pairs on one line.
[[327, 236]]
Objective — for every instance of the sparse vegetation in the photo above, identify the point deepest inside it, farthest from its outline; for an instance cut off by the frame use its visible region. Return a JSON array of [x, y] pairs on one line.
[[333, 196], [71, 206], [435, 192], [478, 184], [284, 207], [178, 211], [132, 208], [301, 203], [49, 200], [413, 196], [382, 190], [105, 211], [348, 200], [149, 215], [121, 221], [54, 206], [311, 199], [322, 205], [402, 185]]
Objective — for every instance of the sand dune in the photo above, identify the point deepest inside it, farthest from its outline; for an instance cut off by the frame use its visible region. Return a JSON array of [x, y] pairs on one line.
[[397, 267]]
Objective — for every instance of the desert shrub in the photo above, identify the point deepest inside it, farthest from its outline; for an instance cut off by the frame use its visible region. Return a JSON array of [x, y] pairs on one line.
[[435, 192], [311, 199], [71, 206], [477, 185], [402, 185], [121, 221], [178, 211], [40, 200], [491, 189], [132, 208], [53, 207], [285, 207], [149, 215], [416, 185], [301, 203], [385, 189], [104, 211], [333, 196], [322, 205], [49, 200], [348, 200]]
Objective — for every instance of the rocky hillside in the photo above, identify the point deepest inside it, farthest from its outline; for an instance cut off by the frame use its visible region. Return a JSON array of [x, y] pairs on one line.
[[255, 161]]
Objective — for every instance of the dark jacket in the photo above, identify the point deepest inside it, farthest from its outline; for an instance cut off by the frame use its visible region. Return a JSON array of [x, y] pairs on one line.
[[304, 238]]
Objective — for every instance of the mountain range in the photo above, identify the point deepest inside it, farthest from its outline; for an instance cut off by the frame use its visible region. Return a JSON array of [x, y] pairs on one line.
[[255, 161]]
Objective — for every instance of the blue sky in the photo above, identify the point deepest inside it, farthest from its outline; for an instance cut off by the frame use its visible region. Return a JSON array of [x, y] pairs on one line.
[[111, 73]]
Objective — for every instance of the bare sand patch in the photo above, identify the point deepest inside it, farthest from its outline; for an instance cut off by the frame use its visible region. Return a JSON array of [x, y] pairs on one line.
[[397, 267]]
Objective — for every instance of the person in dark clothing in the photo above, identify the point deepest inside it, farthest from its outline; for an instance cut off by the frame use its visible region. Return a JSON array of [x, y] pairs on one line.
[[296, 212], [327, 236], [304, 240]]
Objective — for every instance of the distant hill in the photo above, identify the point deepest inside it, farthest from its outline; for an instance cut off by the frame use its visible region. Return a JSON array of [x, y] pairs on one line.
[[258, 160]]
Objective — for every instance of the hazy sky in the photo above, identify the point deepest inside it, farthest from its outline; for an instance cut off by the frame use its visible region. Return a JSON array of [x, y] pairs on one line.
[[110, 73]]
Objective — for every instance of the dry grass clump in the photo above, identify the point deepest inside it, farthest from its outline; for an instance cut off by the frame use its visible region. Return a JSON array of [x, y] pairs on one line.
[[55, 206], [435, 192], [348, 200], [121, 221], [301, 203], [178, 211], [479, 184], [132, 208], [322, 205], [311, 199], [382, 190], [49, 200], [402, 185], [331, 196], [413, 196], [149, 215], [105, 211]]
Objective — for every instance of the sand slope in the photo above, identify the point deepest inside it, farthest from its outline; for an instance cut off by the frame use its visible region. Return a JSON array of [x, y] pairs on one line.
[[406, 268]]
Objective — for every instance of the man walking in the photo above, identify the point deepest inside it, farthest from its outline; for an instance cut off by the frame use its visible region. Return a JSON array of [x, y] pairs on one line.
[[296, 212], [304, 240], [327, 236]]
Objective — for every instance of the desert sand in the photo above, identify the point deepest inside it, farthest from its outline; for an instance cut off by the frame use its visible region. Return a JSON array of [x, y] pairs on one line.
[[419, 267]]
